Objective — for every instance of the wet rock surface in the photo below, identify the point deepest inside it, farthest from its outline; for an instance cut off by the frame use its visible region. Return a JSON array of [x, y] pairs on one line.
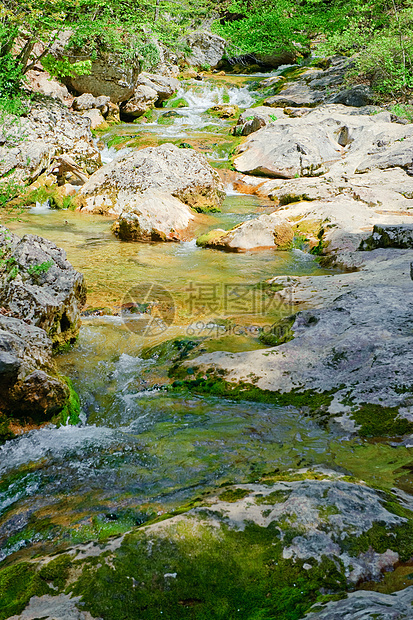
[[309, 532], [350, 349], [266, 231], [365, 605]]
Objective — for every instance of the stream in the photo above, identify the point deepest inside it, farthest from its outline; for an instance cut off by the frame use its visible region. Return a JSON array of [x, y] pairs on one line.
[[142, 450]]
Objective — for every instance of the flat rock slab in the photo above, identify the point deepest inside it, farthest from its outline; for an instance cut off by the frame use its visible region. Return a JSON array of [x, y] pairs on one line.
[[331, 138], [360, 347], [365, 605]]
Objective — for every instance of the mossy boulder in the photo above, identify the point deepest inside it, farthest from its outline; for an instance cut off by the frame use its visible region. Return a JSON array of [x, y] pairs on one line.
[[256, 551]]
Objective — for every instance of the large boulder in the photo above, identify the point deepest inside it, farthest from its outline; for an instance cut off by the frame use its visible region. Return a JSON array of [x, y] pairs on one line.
[[29, 385], [29, 144], [182, 173], [287, 149], [266, 231], [164, 86], [41, 296], [352, 355], [332, 138], [249, 550], [206, 48], [42, 82], [154, 216], [39, 284], [143, 99], [107, 77]]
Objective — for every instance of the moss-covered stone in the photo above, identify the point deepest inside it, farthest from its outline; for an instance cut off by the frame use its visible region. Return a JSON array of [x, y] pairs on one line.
[[309, 400], [279, 334], [194, 570], [379, 421]]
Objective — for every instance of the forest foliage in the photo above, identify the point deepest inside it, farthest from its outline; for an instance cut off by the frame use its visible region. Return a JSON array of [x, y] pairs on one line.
[[379, 32]]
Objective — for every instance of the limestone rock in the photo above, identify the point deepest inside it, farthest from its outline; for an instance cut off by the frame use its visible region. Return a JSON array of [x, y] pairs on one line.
[[253, 119], [29, 387], [31, 142], [359, 347], [84, 102], [164, 86], [143, 99], [183, 173], [265, 231], [331, 138], [367, 605], [107, 77], [39, 284], [96, 119], [42, 82], [286, 150], [399, 236], [154, 216], [356, 96], [206, 48]]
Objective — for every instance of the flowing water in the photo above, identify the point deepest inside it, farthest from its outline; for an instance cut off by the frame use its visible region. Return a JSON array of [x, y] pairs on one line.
[[142, 450]]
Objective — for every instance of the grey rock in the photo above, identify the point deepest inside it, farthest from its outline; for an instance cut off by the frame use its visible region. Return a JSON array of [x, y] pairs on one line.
[[143, 99], [85, 102], [399, 154], [49, 129], [42, 82], [286, 150], [154, 216], [265, 231], [107, 77], [183, 173], [206, 48], [297, 94], [29, 386], [164, 86], [399, 236], [253, 119], [356, 96], [366, 605], [40, 285], [360, 347], [59, 607]]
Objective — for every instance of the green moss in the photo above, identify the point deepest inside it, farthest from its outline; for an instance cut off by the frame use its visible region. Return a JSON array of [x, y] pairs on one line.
[[56, 572], [211, 238], [279, 334], [379, 538], [216, 386], [5, 432], [192, 570], [20, 582], [70, 413], [385, 463], [276, 497], [233, 495], [378, 421], [171, 350], [179, 102]]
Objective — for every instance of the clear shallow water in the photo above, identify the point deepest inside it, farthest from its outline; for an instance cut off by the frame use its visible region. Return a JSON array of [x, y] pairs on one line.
[[140, 450]]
